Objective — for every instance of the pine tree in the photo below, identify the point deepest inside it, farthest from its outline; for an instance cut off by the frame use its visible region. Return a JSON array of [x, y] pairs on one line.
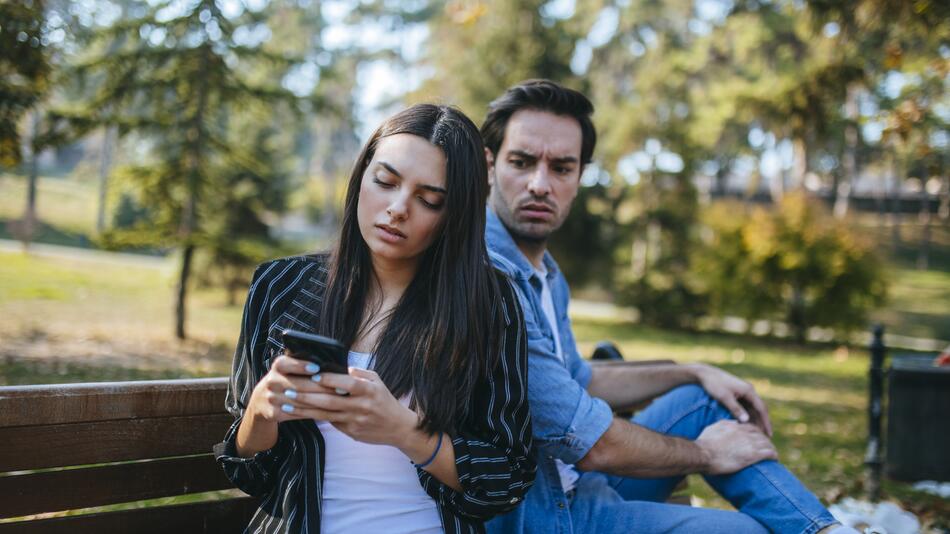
[[177, 76]]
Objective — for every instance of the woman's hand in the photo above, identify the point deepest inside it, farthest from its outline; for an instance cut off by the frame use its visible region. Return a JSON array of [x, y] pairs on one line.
[[275, 399], [362, 407]]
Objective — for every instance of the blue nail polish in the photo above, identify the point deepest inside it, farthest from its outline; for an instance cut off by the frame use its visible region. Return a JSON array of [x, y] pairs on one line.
[[290, 393], [313, 368], [287, 408], [316, 378]]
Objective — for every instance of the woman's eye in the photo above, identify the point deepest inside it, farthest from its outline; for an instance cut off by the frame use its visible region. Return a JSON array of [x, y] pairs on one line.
[[430, 205], [385, 185]]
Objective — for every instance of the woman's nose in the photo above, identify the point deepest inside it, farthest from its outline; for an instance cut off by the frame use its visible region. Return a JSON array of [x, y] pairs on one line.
[[397, 209]]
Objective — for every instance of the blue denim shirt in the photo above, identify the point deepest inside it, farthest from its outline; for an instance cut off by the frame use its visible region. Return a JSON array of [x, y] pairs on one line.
[[567, 421]]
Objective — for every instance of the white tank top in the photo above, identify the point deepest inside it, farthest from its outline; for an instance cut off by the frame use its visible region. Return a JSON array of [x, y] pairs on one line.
[[372, 488]]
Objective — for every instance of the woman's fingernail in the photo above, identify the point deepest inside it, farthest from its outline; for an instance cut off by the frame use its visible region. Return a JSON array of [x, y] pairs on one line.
[[316, 378], [743, 417], [313, 368], [289, 408], [341, 391], [290, 393]]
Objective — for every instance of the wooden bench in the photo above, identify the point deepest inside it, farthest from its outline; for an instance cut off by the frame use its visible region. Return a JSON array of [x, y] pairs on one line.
[[75, 446]]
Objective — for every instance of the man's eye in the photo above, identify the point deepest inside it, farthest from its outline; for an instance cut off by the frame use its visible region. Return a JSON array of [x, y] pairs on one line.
[[518, 163]]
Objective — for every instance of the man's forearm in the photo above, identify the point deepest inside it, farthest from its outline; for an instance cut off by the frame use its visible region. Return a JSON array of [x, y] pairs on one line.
[[630, 450], [622, 386]]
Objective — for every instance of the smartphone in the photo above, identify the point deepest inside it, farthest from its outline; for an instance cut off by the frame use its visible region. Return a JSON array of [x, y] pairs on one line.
[[326, 352]]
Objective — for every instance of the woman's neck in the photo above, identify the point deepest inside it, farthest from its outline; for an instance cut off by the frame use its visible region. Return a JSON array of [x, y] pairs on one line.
[[392, 277], [391, 281]]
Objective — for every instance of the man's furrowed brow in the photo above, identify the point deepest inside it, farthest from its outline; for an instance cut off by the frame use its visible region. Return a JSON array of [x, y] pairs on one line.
[[522, 154], [565, 159]]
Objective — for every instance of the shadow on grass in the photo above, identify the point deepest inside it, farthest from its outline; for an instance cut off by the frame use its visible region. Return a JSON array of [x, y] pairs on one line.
[[48, 234]]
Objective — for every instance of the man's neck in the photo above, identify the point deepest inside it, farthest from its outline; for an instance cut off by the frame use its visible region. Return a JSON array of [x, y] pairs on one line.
[[533, 250]]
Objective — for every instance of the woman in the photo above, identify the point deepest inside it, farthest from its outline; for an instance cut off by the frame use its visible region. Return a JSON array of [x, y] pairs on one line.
[[429, 431]]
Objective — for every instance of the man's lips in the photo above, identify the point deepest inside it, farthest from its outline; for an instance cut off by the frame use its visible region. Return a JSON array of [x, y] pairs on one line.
[[536, 210]]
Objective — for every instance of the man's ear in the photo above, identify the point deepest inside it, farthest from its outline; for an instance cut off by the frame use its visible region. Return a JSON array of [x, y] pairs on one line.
[[490, 160]]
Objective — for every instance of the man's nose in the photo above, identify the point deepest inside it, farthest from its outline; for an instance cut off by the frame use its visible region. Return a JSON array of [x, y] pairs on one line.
[[540, 183]]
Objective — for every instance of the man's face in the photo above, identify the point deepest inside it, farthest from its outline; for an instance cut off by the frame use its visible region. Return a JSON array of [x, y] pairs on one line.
[[535, 176]]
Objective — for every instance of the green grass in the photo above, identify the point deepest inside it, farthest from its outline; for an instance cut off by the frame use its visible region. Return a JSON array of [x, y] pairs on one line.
[[817, 398], [66, 205]]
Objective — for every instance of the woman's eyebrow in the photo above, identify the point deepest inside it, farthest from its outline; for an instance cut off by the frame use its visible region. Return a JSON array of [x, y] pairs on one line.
[[390, 168], [433, 188]]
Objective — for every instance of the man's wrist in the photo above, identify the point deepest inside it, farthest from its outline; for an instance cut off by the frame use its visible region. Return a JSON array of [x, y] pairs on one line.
[[704, 456]]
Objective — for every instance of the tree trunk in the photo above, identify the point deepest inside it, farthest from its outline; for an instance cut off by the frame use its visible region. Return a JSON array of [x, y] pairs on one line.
[[800, 163], [849, 157], [895, 204], [923, 251], [182, 293], [26, 230], [105, 165]]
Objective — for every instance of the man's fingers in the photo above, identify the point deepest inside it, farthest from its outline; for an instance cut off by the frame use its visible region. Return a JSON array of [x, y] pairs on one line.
[[761, 412], [736, 409]]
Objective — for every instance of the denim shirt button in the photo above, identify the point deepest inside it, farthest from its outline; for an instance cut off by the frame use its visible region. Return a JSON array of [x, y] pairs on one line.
[[560, 505]]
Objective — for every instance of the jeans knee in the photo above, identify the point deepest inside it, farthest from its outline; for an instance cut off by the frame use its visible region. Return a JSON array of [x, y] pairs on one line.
[[690, 393]]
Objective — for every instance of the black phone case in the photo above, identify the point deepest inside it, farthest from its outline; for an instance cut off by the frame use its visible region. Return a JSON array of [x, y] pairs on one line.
[[326, 352]]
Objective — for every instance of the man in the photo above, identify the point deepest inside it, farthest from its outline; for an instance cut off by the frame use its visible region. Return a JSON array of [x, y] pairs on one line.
[[598, 473]]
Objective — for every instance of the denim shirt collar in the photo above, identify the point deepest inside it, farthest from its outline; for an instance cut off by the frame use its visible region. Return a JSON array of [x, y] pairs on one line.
[[515, 264]]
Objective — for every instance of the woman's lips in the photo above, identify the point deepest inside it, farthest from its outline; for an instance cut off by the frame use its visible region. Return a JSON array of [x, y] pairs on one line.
[[389, 234]]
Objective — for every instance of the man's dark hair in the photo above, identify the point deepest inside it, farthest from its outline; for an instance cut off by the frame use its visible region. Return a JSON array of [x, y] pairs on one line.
[[540, 95]]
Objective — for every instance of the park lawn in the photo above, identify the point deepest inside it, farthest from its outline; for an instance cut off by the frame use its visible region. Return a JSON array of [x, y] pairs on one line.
[[817, 399], [65, 204], [70, 319]]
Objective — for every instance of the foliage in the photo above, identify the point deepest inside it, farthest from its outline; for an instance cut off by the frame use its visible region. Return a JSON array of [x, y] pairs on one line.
[[794, 259], [486, 46], [178, 77], [24, 70]]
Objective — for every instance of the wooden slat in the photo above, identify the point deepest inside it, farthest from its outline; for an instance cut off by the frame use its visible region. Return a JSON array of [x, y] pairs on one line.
[[230, 515], [76, 403], [54, 491], [38, 447]]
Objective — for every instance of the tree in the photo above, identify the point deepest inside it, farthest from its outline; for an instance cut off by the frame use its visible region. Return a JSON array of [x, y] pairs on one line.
[[24, 80], [24, 71], [178, 77], [794, 259]]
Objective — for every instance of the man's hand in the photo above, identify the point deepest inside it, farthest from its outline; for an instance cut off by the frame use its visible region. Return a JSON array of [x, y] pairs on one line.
[[738, 396], [730, 446]]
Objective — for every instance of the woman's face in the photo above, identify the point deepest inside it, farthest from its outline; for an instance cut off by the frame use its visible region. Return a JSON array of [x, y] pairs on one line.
[[402, 198]]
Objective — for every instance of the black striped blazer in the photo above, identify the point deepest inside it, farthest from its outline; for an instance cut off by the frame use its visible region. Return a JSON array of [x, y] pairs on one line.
[[493, 453]]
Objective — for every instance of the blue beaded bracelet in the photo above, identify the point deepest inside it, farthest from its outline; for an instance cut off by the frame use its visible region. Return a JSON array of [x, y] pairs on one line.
[[434, 454]]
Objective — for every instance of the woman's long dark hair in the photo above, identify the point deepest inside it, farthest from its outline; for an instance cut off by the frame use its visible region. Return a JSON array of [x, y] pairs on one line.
[[443, 334]]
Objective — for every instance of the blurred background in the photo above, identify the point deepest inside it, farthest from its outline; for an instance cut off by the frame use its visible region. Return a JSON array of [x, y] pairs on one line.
[[771, 178]]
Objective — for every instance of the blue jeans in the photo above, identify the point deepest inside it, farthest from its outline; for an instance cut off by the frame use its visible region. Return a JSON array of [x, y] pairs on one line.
[[767, 496]]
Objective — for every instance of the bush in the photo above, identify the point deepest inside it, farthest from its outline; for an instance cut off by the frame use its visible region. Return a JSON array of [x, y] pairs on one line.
[[791, 259]]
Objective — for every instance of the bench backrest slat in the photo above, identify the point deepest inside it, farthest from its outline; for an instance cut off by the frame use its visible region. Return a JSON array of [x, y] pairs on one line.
[[53, 491], [79, 403], [230, 515], [39, 447]]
